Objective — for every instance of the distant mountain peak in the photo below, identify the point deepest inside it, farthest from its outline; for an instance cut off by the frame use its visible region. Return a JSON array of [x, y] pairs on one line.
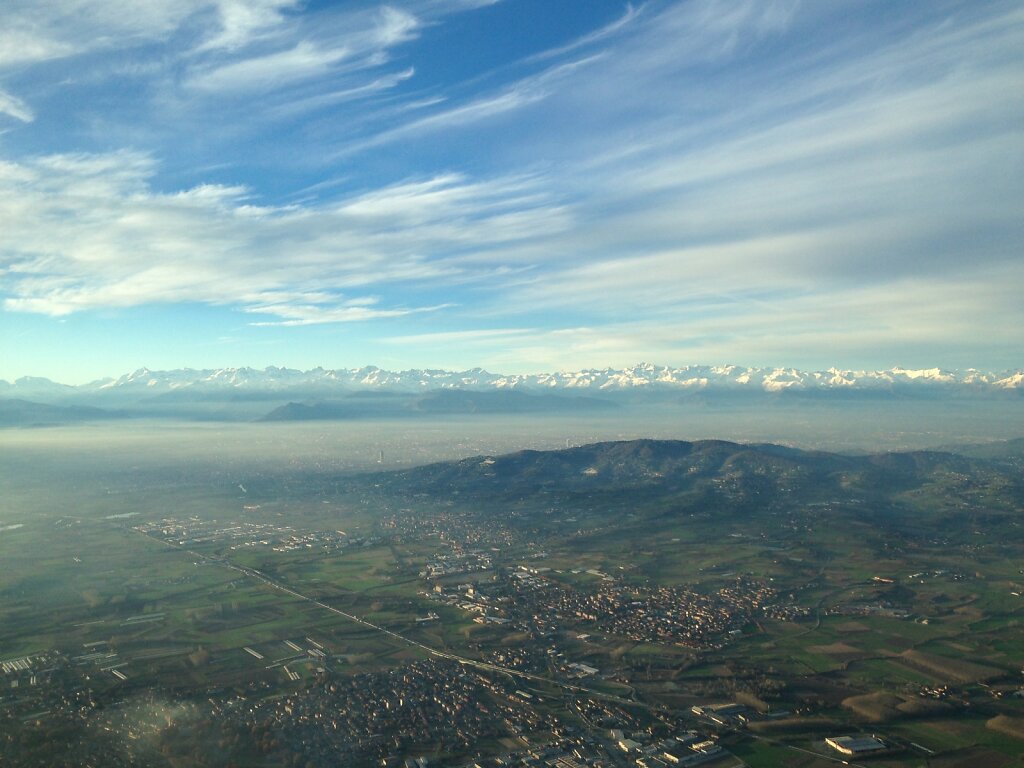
[[641, 377]]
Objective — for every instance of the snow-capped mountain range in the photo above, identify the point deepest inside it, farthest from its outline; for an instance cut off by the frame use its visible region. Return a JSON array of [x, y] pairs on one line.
[[643, 377]]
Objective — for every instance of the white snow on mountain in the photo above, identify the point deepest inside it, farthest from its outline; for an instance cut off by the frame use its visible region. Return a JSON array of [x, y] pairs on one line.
[[640, 377]]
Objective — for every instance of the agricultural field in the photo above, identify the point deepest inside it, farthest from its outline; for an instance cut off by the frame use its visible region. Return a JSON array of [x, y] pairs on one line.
[[249, 595]]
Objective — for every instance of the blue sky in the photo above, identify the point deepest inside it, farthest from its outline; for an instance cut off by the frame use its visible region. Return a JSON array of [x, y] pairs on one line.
[[523, 185]]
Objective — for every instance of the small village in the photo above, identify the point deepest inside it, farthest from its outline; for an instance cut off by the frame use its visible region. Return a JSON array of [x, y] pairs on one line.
[[531, 599]]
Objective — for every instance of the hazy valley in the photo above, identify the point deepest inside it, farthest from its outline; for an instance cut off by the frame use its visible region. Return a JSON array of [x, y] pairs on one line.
[[263, 594]]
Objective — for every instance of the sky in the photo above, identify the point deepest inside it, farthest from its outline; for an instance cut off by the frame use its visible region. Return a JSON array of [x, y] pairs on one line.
[[521, 185]]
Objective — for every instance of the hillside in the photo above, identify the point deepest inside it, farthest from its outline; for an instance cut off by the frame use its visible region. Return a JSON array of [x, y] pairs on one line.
[[24, 413], [658, 476]]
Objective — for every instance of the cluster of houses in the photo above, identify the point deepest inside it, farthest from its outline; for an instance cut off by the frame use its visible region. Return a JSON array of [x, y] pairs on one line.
[[373, 715], [458, 529], [457, 562], [530, 600]]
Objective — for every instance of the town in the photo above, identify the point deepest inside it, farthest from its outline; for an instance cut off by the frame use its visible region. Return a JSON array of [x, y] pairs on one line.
[[316, 624]]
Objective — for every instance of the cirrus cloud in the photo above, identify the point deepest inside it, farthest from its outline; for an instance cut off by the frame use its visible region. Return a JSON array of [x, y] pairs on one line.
[[88, 232]]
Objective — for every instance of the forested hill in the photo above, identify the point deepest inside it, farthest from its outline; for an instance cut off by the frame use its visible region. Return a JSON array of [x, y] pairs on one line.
[[722, 475]]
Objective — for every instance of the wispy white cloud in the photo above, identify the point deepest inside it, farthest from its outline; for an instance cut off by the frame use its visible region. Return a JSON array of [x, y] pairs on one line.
[[88, 232], [846, 207], [731, 175], [364, 42], [184, 53], [333, 98], [313, 314], [242, 21], [394, 26], [272, 70], [522, 93], [598, 35], [478, 336], [23, 46], [15, 107], [907, 322], [35, 32]]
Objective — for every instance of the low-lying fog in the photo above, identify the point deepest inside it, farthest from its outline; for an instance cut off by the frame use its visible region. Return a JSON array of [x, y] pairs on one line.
[[55, 470], [358, 444]]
